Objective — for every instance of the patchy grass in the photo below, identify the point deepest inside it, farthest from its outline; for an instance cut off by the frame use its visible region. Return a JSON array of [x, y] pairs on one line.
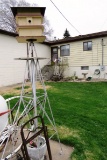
[[16, 89], [19, 88], [80, 112]]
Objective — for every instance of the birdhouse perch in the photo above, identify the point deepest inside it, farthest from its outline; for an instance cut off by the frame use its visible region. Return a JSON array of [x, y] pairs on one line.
[[29, 22]]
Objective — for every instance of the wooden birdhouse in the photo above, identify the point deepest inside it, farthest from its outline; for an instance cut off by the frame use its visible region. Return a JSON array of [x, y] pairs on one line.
[[29, 22]]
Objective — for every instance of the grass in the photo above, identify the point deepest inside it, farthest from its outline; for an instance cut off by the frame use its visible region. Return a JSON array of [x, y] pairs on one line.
[[80, 112]]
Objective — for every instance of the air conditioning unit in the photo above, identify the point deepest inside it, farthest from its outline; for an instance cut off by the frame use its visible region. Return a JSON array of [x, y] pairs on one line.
[[102, 68]]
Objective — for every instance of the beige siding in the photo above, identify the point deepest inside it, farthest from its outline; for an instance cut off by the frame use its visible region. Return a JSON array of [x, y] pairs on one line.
[[92, 58], [78, 57]]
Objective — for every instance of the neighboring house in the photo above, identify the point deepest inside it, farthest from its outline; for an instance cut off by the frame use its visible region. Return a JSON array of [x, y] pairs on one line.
[[86, 55], [83, 55], [11, 70]]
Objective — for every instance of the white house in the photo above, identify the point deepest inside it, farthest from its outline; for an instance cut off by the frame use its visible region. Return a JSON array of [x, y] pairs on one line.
[[84, 54], [11, 70]]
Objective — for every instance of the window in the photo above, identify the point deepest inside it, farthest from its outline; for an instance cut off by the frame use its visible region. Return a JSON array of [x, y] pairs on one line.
[[87, 46], [65, 50], [84, 67], [55, 50]]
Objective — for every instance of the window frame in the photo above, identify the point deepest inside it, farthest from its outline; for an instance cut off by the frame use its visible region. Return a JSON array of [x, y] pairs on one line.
[[63, 46], [88, 48]]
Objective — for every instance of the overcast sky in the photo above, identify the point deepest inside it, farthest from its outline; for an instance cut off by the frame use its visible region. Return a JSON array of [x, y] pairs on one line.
[[88, 16]]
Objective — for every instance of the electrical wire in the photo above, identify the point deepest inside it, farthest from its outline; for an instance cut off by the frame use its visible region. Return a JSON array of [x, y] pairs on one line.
[[65, 17]]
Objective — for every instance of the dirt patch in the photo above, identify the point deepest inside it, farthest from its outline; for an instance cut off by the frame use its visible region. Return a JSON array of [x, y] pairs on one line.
[[60, 151], [16, 89]]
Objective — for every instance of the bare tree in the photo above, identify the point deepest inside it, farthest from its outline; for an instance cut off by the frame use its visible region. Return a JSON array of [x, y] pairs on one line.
[[48, 31], [7, 20]]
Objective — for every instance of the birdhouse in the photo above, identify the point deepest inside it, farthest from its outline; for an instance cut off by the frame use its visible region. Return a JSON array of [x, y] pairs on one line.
[[29, 22]]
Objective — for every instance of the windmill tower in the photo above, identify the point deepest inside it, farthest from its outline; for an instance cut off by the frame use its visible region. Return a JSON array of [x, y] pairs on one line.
[[30, 28], [30, 104]]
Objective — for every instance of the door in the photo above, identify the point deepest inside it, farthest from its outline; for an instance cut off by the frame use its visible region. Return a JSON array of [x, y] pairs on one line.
[[54, 54]]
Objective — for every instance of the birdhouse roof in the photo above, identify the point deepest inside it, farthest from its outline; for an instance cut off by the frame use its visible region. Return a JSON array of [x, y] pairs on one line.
[[16, 10]]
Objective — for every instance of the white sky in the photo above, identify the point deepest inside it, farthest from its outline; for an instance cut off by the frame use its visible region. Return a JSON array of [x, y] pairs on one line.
[[88, 16]]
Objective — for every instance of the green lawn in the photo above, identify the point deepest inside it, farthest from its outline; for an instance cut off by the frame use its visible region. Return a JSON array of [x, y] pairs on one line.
[[80, 112]]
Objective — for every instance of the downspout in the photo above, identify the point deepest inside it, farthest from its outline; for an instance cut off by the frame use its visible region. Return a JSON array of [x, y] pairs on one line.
[[102, 52]]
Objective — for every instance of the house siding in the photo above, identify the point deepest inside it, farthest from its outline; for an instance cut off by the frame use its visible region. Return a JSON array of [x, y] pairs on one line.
[[11, 70], [91, 58]]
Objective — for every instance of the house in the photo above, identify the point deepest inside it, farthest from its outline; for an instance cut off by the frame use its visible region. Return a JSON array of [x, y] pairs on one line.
[[85, 56], [11, 70]]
